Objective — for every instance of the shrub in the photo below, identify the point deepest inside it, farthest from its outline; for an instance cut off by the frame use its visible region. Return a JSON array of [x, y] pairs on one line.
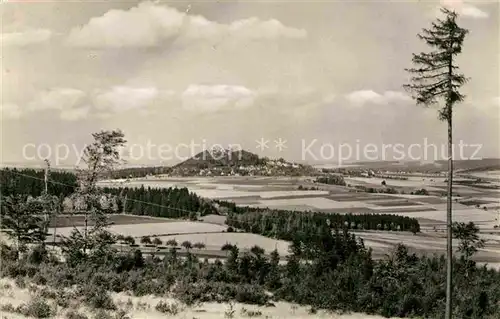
[[250, 313], [121, 314], [38, 308], [146, 240], [199, 245], [38, 254], [157, 241], [98, 298], [142, 305], [75, 315], [167, 308], [102, 314], [187, 244], [7, 308], [63, 298], [251, 294], [171, 242], [20, 282], [226, 247], [129, 240], [46, 292], [422, 191], [229, 313]]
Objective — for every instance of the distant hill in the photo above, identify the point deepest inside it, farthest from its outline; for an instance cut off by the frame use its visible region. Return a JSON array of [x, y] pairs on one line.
[[221, 157], [484, 164], [428, 167], [224, 162]]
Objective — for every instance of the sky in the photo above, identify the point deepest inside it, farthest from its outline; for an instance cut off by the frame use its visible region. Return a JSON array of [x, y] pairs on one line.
[[291, 79]]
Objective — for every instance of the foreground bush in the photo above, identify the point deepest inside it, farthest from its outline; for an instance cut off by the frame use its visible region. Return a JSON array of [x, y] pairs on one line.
[[324, 271]]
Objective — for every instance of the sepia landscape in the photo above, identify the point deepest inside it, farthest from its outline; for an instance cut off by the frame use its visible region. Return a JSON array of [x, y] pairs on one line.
[[229, 159]]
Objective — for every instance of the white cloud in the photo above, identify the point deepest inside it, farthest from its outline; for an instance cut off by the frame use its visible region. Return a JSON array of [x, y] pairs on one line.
[[254, 28], [71, 103], [57, 99], [368, 96], [149, 24], [122, 98], [465, 9], [10, 111], [213, 98], [25, 38], [75, 114]]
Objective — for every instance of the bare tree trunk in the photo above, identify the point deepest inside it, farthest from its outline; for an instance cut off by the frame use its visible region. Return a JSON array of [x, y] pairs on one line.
[[449, 235], [85, 234], [46, 184], [124, 207], [56, 211]]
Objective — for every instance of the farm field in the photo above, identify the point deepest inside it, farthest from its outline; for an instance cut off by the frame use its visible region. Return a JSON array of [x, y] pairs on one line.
[[244, 241], [283, 193], [118, 219], [493, 175], [213, 235], [433, 242], [146, 228]]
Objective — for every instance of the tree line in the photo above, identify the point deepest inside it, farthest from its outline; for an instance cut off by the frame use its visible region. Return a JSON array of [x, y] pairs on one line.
[[30, 182], [279, 223], [136, 172], [161, 202], [331, 179]]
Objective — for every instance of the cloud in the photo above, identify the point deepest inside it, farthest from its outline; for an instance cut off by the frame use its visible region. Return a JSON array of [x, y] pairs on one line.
[[213, 98], [122, 98], [368, 96], [150, 25], [72, 104], [57, 99], [465, 9], [75, 114], [254, 28], [25, 38], [10, 111]]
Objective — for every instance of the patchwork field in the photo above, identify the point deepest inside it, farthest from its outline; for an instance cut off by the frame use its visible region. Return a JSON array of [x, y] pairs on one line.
[[283, 193], [477, 205], [433, 242]]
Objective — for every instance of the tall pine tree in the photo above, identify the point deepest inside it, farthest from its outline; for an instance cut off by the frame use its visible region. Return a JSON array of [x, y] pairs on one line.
[[436, 77]]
